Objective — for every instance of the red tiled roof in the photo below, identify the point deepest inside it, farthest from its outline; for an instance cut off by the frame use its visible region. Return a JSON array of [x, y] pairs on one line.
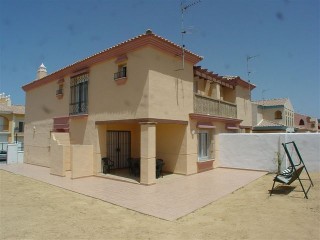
[[267, 123], [272, 102]]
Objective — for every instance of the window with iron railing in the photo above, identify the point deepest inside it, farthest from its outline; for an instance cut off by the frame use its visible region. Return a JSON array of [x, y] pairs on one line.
[[122, 73], [79, 94], [59, 91], [21, 127]]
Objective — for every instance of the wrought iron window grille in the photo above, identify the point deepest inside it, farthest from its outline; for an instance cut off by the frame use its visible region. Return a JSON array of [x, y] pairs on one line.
[[120, 74]]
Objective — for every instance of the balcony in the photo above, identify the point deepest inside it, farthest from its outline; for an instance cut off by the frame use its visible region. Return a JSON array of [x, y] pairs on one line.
[[209, 106]]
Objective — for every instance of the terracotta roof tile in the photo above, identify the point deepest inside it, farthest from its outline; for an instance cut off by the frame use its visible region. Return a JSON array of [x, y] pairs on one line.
[[272, 102], [267, 123]]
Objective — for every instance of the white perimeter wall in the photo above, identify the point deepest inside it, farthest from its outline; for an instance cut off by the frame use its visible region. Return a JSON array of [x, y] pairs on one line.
[[13, 155], [258, 151]]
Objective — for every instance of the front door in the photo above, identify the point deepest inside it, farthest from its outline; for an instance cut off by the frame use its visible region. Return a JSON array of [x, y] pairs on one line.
[[119, 147]]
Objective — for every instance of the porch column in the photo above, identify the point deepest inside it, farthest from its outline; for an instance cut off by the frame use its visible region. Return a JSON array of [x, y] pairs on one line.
[[148, 153]]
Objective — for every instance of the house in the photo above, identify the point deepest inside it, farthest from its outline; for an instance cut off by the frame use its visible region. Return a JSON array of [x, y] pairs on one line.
[[143, 99], [304, 123], [11, 121], [273, 115]]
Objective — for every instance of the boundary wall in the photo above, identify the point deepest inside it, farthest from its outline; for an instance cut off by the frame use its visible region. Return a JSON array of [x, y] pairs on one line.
[[259, 151]]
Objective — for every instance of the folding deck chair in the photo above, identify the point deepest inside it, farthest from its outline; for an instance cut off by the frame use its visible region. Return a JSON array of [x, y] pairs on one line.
[[293, 172]]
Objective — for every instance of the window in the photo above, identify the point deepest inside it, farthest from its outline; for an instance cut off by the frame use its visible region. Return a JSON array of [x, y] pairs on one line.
[[203, 145], [301, 122], [79, 94], [278, 115], [21, 126], [59, 91], [122, 72]]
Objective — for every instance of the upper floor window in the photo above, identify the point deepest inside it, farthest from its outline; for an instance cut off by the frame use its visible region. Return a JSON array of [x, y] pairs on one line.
[[122, 72], [278, 115], [79, 94], [21, 127], [301, 122]]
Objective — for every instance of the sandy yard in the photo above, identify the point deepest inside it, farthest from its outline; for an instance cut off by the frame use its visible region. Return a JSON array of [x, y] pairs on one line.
[[35, 210]]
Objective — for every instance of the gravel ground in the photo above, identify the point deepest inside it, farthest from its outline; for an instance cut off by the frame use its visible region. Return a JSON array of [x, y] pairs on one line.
[[30, 209]]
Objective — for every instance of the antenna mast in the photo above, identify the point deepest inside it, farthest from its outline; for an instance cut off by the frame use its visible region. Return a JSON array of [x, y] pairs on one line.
[[183, 31], [249, 72]]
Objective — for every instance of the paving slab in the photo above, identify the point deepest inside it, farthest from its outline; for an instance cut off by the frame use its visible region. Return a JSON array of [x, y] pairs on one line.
[[167, 200]]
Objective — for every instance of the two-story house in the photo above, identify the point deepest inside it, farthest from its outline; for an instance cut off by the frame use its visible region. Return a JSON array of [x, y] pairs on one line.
[[11, 121], [143, 99], [273, 115]]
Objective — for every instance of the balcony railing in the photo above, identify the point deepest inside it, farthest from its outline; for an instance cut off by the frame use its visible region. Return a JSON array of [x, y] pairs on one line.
[[121, 74], [206, 105]]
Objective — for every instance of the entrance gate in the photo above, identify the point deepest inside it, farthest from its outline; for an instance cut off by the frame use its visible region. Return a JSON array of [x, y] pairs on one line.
[[119, 147]]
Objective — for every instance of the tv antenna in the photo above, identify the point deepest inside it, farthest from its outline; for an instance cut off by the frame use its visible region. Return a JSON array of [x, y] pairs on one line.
[[249, 72], [248, 59], [184, 8]]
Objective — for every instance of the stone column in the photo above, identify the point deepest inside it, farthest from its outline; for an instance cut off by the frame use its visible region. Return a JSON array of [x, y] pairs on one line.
[[148, 153]]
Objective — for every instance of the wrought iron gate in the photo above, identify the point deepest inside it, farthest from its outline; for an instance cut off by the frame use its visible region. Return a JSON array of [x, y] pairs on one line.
[[119, 147]]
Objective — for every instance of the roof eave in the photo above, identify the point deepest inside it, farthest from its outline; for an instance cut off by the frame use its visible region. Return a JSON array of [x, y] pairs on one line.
[[113, 52]]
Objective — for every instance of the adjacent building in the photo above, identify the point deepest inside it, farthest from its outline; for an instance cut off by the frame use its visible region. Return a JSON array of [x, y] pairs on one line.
[[304, 123], [11, 121], [144, 98], [273, 115]]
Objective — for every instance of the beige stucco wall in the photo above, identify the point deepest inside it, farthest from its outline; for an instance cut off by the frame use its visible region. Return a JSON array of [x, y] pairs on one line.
[[81, 161], [41, 106], [244, 107], [171, 142]]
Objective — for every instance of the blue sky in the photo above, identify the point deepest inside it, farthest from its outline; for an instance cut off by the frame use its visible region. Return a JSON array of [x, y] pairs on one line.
[[283, 33]]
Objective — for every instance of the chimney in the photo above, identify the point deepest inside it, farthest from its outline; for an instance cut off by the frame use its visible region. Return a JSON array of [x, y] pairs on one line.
[[42, 71]]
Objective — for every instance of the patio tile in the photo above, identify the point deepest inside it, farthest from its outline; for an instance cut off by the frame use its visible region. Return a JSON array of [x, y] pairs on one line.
[[169, 199]]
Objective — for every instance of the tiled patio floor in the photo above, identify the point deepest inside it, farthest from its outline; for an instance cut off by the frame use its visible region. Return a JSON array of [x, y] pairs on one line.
[[169, 199]]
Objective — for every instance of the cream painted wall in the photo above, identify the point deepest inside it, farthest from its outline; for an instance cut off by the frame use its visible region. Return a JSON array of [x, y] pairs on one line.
[[109, 101], [228, 94], [269, 114], [171, 142], [170, 91], [244, 107], [37, 142], [81, 161], [41, 106]]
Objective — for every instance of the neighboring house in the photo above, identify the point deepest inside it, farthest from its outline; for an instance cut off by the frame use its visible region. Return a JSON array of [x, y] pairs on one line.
[[11, 121], [274, 115], [304, 123], [137, 99]]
